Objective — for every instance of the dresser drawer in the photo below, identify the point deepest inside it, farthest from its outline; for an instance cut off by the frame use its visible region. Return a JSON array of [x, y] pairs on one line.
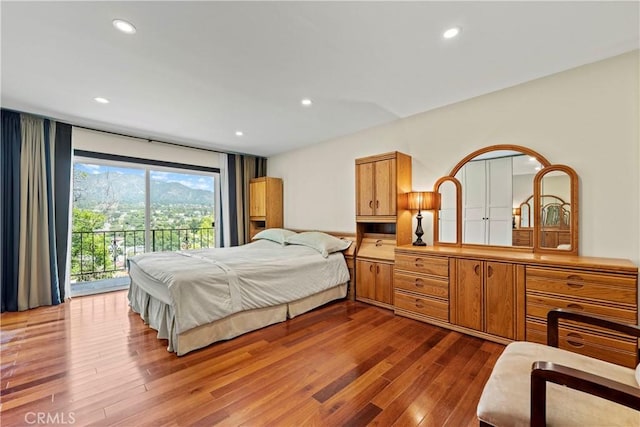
[[539, 305], [425, 306], [424, 285], [522, 237], [585, 290], [579, 279], [614, 349], [423, 264]]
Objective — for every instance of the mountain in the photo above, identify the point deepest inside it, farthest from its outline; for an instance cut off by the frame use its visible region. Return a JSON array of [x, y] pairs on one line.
[[90, 190]]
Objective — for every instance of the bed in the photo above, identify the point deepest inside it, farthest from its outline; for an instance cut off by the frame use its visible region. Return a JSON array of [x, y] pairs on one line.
[[197, 297]]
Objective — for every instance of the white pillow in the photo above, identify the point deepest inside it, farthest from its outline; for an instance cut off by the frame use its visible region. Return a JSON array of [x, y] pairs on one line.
[[321, 242], [278, 235], [638, 374]]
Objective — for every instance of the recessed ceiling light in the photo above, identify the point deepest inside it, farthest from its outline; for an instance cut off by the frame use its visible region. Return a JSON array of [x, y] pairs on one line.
[[101, 100], [239, 133], [451, 33], [538, 168], [124, 26], [306, 102]]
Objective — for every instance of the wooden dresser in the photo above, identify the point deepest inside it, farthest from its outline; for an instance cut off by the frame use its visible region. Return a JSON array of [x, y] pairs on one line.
[[382, 222], [504, 295]]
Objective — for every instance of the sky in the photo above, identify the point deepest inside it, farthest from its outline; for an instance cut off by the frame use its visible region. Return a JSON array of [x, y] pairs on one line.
[[195, 181]]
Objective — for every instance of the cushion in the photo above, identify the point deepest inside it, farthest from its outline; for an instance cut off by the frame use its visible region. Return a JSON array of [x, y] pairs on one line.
[[505, 398], [321, 242], [278, 235]]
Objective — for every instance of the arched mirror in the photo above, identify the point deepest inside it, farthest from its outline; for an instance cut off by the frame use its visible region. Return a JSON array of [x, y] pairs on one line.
[[447, 230], [500, 203], [555, 210], [525, 219], [494, 181]]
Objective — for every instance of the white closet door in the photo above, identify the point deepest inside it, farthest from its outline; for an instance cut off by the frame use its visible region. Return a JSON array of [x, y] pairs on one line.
[[499, 201]]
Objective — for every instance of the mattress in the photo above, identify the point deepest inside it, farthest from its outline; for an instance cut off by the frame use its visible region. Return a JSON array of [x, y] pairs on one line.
[[202, 286]]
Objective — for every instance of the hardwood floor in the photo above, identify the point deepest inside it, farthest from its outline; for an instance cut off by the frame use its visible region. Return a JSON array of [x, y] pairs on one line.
[[91, 361]]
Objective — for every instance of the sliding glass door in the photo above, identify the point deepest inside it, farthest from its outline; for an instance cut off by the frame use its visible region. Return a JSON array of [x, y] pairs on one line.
[[121, 209], [181, 210]]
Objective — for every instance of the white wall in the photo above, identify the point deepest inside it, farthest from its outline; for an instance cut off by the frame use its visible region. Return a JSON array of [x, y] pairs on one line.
[[522, 188], [587, 118], [104, 142]]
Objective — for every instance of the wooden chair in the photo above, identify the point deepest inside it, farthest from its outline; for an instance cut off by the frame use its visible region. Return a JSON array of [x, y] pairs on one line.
[[582, 391]]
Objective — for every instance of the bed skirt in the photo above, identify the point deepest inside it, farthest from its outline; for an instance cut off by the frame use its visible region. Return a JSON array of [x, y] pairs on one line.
[[160, 316]]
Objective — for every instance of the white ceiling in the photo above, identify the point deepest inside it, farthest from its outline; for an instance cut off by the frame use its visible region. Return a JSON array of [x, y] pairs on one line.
[[195, 72]]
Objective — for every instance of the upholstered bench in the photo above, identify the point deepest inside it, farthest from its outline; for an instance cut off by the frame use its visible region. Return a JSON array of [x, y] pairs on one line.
[[574, 388]]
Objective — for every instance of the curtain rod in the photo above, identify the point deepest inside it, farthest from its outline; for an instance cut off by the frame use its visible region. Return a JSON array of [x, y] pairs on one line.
[[131, 136]]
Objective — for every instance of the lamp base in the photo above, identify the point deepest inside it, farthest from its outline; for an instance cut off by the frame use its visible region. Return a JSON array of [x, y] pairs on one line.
[[419, 232]]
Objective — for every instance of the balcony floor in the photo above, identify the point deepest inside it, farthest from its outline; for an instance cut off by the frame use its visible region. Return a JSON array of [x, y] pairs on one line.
[[99, 286]]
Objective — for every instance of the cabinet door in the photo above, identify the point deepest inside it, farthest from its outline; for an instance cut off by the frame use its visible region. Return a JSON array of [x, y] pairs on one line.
[[364, 188], [384, 283], [385, 187], [365, 279], [469, 294], [257, 198], [499, 299]]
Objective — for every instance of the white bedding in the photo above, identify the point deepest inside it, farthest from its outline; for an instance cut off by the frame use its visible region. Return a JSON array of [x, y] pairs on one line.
[[209, 284]]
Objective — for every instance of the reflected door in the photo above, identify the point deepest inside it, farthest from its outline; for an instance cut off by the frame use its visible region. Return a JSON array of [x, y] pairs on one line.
[[487, 202]]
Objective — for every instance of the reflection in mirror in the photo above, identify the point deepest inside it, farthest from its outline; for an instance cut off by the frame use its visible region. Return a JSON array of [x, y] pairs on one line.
[[493, 185], [525, 213], [448, 212], [555, 212]]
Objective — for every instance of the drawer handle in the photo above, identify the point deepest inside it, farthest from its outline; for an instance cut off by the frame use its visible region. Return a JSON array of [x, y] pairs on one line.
[[418, 262], [379, 242], [489, 271], [575, 306], [371, 268], [371, 204], [419, 283], [575, 339], [419, 304], [476, 269], [575, 285], [574, 277]]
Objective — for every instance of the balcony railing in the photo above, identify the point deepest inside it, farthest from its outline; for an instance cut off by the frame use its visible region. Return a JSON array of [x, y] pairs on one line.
[[99, 255]]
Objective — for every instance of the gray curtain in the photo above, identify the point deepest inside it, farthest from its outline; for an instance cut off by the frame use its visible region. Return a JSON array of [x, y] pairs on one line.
[[240, 170], [42, 165]]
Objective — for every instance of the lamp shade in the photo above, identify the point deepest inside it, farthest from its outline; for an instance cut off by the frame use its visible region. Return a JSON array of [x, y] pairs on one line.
[[516, 211], [424, 200]]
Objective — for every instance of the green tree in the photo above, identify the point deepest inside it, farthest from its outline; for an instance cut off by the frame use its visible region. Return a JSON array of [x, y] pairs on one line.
[[90, 250], [207, 232]]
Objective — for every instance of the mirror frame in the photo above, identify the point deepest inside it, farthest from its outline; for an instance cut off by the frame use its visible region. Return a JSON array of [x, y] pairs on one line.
[[436, 213], [573, 202], [529, 203], [546, 168], [506, 147], [529, 214]]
